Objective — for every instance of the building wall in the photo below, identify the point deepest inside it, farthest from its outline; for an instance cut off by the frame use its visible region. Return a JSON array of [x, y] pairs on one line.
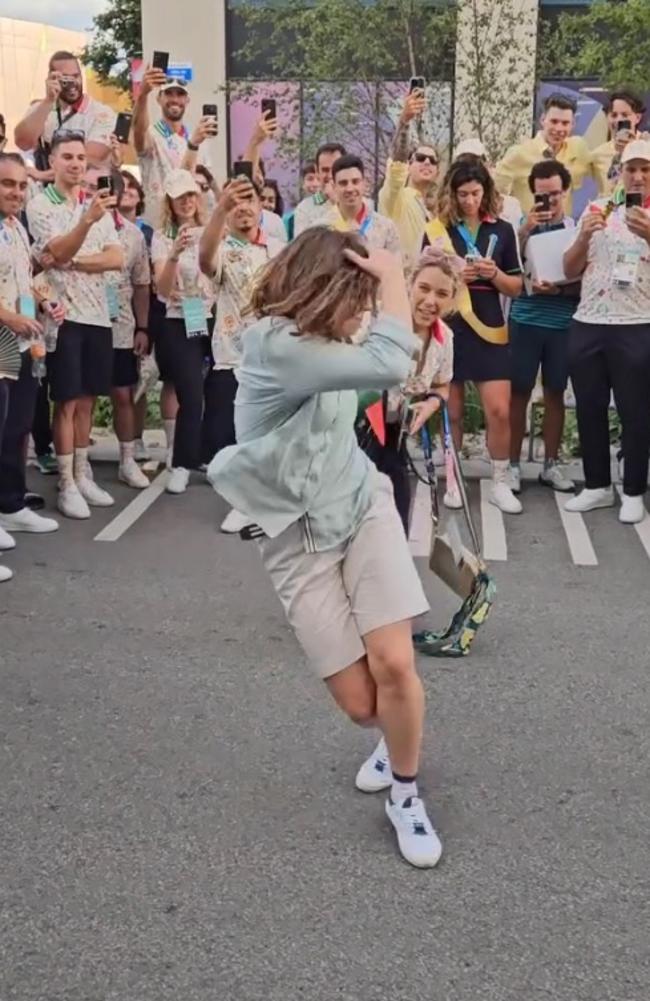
[[197, 38]]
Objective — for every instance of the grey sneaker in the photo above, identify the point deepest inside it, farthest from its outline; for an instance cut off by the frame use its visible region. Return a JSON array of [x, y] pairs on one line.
[[553, 476]]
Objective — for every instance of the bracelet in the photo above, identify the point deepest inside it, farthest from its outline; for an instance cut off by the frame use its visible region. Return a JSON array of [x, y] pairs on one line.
[[192, 146]]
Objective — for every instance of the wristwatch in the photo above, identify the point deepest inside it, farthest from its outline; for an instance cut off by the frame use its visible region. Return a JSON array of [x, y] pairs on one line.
[[192, 146]]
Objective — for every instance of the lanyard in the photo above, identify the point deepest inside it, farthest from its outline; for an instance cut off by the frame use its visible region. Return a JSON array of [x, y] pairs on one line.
[[468, 238], [163, 129], [365, 221]]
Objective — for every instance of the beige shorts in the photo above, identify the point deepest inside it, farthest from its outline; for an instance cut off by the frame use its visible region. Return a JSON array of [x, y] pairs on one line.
[[333, 599]]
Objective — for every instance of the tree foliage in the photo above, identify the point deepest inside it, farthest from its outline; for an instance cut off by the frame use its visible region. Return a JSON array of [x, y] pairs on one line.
[[610, 42], [117, 39]]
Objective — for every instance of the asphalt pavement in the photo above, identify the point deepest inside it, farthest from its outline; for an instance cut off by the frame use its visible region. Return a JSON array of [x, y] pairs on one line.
[[179, 821]]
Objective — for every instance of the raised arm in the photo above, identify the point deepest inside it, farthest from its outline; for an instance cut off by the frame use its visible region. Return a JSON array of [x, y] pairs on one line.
[[152, 78], [233, 193], [576, 257], [30, 129], [266, 128]]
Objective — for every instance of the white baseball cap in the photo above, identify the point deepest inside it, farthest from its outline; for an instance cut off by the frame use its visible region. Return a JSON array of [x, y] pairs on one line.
[[473, 146], [638, 149], [180, 182]]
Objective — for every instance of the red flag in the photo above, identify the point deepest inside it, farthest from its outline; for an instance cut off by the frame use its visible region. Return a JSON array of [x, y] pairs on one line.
[[375, 415]]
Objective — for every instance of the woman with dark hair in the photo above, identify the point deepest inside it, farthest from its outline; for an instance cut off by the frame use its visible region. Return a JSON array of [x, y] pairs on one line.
[[272, 200], [468, 225], [333, 542]]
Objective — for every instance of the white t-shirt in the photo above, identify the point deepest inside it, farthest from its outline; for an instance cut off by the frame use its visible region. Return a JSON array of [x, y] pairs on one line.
[[15, 268], [165, 152], [136, 271], [273, 226], [84, 296], [190, 280], [602, 300]]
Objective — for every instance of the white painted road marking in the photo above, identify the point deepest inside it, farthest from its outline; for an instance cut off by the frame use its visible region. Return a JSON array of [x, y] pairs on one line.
[[126, 518], [642, 529], [582, 551], [421, 523], [495, 546]]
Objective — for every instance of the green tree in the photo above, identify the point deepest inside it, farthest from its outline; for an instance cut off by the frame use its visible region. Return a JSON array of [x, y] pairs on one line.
[[117, 39], [610, 42]]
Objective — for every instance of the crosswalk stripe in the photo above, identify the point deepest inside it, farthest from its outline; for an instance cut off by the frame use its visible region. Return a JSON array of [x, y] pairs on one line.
[[126, 518], [642, 529], [421, 523], [582, 551], [495, 546]]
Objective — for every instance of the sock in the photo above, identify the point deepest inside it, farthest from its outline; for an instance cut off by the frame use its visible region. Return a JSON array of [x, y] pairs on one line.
[[127, 451], [66, 477], [81, 463], [170, 428], [500, 470], [514, 464], [548, 464], [403, 787]]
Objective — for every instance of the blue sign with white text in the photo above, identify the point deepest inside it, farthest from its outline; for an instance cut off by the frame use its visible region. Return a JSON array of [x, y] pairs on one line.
[[181, 71]]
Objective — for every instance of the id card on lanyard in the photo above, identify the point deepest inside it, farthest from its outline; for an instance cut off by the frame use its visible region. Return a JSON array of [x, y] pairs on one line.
[[196, 324], [27, 306], [112, 301], [627, 258], [472, 249]]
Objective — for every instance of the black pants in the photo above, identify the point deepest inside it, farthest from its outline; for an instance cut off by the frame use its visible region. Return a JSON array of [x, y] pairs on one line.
[[392, 462], [219, 415], [41, 426], [18, 423], [186, 361], [604, 358]]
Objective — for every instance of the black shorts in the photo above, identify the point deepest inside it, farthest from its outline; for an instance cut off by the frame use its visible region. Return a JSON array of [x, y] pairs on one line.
[[82, 364], [476, 360], [125, 368], [531, 347]]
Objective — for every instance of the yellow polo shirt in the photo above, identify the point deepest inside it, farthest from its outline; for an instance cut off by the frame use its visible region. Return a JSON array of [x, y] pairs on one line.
[[406, 208], [513, 171], [602, 158]]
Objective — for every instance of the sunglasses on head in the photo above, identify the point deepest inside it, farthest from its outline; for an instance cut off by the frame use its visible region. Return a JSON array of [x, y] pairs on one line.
[[73, 135], [425, 158]]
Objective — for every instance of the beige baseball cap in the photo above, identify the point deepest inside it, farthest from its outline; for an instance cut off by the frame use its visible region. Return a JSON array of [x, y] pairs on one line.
[[638, 149], [473, 146], [180, 182]]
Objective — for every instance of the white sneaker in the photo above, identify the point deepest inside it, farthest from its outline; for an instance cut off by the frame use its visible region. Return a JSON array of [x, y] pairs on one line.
[[502, 497], [515, 479], [452, 499], [554, 477], [632, 510], [28, 521], [178, 480], [589, 500], [417, 840], [5, 574], [131, 474], [93, 494], [140, 451], [234, 521], [71, 504], [375, 774], [6, 541]]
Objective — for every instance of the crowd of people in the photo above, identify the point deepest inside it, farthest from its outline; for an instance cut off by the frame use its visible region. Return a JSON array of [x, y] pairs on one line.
[[258, 322]]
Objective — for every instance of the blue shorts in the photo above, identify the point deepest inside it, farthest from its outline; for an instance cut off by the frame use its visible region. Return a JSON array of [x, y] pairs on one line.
[[532, 347]]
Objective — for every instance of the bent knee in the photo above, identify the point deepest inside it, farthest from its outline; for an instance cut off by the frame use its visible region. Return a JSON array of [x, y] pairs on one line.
[[361, 709], [393, 669]]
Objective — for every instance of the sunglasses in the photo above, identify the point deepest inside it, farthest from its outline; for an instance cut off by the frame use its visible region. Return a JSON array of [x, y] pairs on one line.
[[425, 158], [72, 135]]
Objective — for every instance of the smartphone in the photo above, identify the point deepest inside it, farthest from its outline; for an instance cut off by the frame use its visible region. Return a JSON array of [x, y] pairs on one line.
[[624, 125], [210, 111], [243, 168], [269, 108], [543, 203], [123, 126], [472, 256], [105, 183], [417, 83], [160, 61], [634, 199]]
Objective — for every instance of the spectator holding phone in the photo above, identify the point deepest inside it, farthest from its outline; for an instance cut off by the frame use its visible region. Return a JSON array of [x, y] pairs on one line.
[[609, 346], [539, 331], [76, 243], [411, 177], [66, 106], [468, 226], [319, 209], [625, 111], [166, 145]]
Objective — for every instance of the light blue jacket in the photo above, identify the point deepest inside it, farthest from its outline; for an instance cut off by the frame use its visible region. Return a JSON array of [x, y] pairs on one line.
[[297, 455]]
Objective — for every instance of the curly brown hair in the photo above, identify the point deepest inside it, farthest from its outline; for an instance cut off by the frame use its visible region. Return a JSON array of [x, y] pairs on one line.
[[312, 282], [462, 172]]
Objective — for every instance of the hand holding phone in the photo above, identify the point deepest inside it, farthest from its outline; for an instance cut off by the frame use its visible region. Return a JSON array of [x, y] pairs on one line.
[[160, 61], [123, 126], [269, 108], [417, 83], [243, 168]]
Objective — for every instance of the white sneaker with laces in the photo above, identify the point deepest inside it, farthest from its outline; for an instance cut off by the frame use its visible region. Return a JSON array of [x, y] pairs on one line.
[[234, 522], [515, 479], [590, 500], [178, 480], [131, 474], [417, 840], [6, 541], [452, 499], [28, 521], [71, 504], [93, 494], [632, 510], [375, 774], [140, 451], [503, 498], [553, 476], [5, 574]]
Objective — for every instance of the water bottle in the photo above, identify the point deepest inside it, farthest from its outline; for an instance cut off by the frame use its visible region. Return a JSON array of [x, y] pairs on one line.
[[38, 353]]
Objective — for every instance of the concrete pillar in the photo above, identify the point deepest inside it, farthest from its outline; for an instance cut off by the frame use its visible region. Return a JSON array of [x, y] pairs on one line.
[[196, 34], [496, 44]]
